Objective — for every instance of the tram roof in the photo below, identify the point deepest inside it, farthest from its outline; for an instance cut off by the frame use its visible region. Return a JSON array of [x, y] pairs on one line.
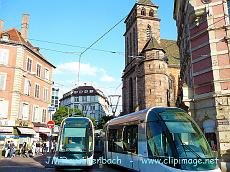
[[139, 116]]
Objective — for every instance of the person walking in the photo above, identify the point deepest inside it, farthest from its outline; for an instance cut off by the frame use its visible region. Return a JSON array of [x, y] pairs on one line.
[[12, 149], [33, 148], [7, 148]]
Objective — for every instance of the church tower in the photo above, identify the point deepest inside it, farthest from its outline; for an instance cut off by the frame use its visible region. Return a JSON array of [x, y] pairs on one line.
[[141, 24], [145, 78]]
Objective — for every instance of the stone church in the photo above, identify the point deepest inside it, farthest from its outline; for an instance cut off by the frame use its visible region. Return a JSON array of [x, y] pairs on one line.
[[151, 73]]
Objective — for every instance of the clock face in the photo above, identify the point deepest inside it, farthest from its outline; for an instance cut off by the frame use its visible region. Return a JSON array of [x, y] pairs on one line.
[[206, 1]]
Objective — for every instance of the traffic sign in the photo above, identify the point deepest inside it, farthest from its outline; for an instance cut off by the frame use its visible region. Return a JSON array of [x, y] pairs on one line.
[[50, 124]]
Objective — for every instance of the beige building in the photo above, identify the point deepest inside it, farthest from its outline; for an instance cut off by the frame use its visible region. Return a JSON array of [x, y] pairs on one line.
[[151, 69], [203, 38], [25, 85]]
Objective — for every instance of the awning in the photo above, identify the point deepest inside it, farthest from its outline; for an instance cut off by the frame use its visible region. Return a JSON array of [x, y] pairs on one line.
[[6, 129], [41, 130], [26, 130]]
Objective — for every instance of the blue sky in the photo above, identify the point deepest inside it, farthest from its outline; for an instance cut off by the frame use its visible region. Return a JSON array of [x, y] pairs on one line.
[[80, 23]]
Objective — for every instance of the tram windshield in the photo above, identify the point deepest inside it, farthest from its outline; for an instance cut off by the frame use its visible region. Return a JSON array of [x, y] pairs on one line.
[[173, 133], [189, 140], [76, 137]]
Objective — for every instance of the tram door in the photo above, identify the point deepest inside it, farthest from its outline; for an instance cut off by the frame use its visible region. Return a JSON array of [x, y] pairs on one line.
[[131, 144]]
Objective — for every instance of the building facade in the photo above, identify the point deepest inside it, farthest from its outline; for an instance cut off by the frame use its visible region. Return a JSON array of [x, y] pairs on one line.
[[25, 84], [89, 100], [203, 39], [151, 69]]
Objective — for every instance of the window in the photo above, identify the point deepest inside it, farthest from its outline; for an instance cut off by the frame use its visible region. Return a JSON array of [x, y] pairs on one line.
[[45, 94], [3, 81], [46, 74], [86, 91], [92, 107], [29, 65], [151, 13], [91, 91], [35, 114], [36, 94], [25, 111], [84, 98], [130, 139], [76, 99], [157, 54], [115, 140], [157, 142], [4, 55], [92, 98], [27, 87], [44, 112], [143, 12], [149, 32], [38, 71], [84, 107], [3, 108]]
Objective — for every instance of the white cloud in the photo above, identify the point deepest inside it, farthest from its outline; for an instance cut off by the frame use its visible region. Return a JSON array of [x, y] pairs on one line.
[[72, 67], [107, 78]]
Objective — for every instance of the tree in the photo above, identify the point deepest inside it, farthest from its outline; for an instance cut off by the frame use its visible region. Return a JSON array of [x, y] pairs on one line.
[[103, 121], [63, 112]]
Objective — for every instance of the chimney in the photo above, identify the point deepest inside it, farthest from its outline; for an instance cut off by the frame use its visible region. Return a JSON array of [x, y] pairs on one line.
[[25, 25], [1, 25]]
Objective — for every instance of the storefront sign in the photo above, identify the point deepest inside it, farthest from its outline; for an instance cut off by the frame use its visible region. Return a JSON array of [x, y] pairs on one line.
[[6, 129], [223, 122]]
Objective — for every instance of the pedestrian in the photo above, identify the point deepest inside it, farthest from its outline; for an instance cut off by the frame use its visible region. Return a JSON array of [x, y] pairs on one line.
[[12, 149], [33, 148], [7, 148], [43, 147], [37, 147], [23, 149], [47, 146]]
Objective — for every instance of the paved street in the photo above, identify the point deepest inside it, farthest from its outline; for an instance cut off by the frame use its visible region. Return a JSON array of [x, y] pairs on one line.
[[38, 164]]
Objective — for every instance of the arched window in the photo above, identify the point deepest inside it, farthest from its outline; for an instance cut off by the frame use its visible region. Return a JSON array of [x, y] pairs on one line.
[[131, 95], [143, 12], [149, 32], [151, 13]]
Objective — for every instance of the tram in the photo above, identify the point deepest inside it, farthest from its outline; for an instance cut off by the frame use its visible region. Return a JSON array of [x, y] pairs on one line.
[[75, 143], [162, 139]]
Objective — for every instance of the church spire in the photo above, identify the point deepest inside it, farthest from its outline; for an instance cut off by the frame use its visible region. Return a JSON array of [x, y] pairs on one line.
[[145, 2]]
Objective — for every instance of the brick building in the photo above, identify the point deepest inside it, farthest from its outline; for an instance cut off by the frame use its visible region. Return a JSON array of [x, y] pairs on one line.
[[203, 38], [25, 85], [151, 69]]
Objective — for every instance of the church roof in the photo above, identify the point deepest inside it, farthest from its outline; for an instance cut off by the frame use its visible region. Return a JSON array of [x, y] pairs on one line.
[[168, 46], [145, 2], [152, 44], [172, 50]]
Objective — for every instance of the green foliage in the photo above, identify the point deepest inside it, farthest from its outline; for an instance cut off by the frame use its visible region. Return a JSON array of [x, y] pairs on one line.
[[63, 112], [103, 121]]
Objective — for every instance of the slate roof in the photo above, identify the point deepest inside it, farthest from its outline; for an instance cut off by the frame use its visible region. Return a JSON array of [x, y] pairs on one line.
[[172, 51], [145, 2], [152, 44]]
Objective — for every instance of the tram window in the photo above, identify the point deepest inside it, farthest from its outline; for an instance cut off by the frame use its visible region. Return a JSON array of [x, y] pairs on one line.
[[130, 139], [158, 144], [115, 140]]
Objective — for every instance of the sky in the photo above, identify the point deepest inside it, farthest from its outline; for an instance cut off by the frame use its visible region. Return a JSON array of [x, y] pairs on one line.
[[78, 24]]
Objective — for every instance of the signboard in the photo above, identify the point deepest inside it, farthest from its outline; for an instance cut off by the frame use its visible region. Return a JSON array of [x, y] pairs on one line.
[[223, 122], [50, 124], [51, 108]]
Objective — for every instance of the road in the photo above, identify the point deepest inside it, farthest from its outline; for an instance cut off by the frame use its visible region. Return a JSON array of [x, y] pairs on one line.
[[38, 164]]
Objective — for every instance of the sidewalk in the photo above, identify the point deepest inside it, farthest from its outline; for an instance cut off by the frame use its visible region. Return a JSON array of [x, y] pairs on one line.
[[39, 161]]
